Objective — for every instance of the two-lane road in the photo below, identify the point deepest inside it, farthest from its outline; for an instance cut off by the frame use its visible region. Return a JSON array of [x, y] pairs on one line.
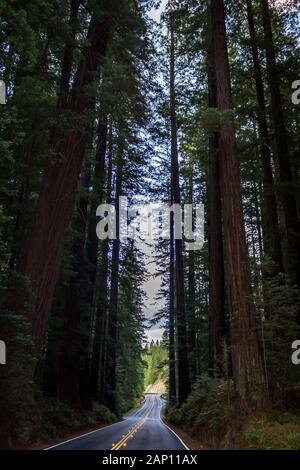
[[142, 430]]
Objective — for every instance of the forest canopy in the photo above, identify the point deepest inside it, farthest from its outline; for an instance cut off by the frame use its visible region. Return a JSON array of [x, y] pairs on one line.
[[199, 106]]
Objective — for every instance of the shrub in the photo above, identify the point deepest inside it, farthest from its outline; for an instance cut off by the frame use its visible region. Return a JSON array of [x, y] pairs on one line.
[[60, 418]]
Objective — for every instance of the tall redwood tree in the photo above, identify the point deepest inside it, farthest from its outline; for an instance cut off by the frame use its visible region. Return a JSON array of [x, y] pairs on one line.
[[41, 253], [246, 358]]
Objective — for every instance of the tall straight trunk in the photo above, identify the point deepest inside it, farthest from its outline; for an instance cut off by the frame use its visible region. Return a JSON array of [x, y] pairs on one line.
[[286, 193], [67, 59], [98, 364], [272, 242], [172, 364], [42, 251], [92, 255], [217, 333], [102, 304], [191, 299], [246, 359], [111, 370], [96, 199], [257, 205], [91, 252], [25, 187], [184, 386], [68, 386]]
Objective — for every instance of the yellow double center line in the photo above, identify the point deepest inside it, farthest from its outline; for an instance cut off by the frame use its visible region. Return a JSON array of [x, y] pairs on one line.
[[132, 431]]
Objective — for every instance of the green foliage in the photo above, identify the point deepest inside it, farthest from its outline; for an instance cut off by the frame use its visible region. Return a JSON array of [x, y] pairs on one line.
[[17, 414], [206, 411], [212, 118], [130, 367], [279, 325], [60, 418], [264, 432], [210, 416], [33, 37], [155, 357]]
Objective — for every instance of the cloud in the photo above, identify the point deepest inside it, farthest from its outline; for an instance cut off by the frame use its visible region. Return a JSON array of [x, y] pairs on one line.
[[154, 334]]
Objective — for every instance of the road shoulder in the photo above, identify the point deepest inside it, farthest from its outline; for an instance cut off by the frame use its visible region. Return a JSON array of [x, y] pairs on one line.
[[191, 443]]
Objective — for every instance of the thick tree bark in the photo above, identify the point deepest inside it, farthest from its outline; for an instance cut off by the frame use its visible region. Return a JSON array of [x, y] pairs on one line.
[[111, 370], [79, 306], [42, 250], [102, 305], [272, 242], [96, 199], [24, 192], [68, 387], [67, 60], [92, 256], [191, 300], [286, 192], [172, 363], [91, 252], [246, 359], [217, 343], [184, 386]]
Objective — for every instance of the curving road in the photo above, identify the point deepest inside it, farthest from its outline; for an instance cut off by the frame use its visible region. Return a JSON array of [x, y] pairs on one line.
[[142, 430]]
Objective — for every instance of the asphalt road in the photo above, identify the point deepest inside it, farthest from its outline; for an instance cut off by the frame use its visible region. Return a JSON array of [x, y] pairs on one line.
[[142, 430]]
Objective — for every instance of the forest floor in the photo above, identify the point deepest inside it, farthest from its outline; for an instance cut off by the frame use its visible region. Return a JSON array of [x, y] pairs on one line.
[[45, 445], [191, 442], [64, 435], [272, 430]]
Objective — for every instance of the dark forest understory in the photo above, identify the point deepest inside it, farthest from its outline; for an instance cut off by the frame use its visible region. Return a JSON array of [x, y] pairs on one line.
[[201, 106]]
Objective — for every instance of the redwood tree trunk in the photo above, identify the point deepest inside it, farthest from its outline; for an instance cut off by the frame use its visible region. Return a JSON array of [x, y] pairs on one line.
[[184, 386], [92, 255], [246, 359], [42, 250], [172, 364], [67, 60], [191, 300], [272, 242], [102, 305], [68, 387], [286, 193], [216, 255], [111, 368]]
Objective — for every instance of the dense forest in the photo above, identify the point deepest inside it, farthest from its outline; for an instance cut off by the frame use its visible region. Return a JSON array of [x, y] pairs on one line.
[[201, 107], [156, 373]]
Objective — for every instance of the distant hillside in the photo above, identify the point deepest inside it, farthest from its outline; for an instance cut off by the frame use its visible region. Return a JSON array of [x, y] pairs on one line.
[[159, 387], [156, 359]]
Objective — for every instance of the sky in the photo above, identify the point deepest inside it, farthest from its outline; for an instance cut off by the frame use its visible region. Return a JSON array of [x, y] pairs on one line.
[[152, 285], [156, 13]]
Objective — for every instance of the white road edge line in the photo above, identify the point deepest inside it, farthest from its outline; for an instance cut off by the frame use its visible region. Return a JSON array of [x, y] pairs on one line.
[[82, 435], [179, 438], [109, 426], [88, 433]]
